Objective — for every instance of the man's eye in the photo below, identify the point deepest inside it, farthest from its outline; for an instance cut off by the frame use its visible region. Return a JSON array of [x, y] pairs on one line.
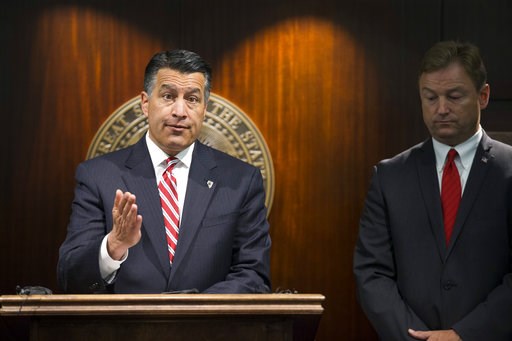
[[167, 97], [193, 99]]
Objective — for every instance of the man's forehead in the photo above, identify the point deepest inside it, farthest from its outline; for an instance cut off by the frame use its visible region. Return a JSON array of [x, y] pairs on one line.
[[452, 72], [445, 79], [168, 78]]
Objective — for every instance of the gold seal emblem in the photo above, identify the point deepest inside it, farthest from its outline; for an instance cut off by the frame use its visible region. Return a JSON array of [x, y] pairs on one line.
[[226, 128]]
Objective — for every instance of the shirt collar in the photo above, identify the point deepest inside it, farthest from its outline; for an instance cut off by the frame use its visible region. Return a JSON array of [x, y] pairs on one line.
[[466, 150], [158, 156]]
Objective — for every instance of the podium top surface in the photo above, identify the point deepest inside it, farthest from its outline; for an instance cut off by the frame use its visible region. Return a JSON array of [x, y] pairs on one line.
[[162, 304]]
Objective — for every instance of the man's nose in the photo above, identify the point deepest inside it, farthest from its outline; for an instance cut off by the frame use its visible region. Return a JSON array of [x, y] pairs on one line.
[[443, 107], [178, 108]]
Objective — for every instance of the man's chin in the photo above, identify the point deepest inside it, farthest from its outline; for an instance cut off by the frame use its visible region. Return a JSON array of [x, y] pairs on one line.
[[445, 131], [449, 138], [176, 146]]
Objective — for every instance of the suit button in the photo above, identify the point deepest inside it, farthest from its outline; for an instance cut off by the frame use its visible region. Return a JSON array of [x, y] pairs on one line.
[[448, 285], [94, 286]]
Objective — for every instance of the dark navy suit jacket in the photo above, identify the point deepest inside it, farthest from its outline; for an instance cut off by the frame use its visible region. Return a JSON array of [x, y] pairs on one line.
[[223, 245], [408, 277]]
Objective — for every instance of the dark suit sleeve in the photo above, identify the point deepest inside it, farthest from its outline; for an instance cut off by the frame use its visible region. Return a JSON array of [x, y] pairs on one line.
[[250, 266], [491, 319], [78, 267], [375, 273]]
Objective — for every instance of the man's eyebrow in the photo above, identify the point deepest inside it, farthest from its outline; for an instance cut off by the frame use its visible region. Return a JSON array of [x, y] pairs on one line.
[[454, 89], [457, 88], [167, 87], [174, 87]]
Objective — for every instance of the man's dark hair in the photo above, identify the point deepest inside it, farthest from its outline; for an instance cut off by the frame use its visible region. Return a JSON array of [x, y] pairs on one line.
[[183, 61], [467, 55]]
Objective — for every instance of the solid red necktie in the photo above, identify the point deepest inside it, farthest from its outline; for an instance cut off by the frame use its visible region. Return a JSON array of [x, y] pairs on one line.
[[450, 193], [168, 189]]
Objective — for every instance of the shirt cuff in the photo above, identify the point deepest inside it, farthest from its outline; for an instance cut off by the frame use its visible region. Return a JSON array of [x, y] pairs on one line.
[[109, 266]]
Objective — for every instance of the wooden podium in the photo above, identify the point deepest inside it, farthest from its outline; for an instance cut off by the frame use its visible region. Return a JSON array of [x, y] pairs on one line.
[[167, 317]]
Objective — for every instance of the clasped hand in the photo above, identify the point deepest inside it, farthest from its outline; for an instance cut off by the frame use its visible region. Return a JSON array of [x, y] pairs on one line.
[[127, 224], [435, 335]]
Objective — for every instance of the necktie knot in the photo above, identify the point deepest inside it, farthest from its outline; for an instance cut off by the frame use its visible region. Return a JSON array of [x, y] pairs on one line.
[[451, 155], [170, 162]]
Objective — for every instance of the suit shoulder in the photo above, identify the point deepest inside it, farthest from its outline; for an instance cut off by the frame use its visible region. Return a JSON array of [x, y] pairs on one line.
[[501, 155], [114, 158], [225, 160], [501, 147], [404, 157], [224, 165]]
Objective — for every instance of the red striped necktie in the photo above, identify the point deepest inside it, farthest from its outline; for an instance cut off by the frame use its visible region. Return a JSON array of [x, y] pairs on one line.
[[168, 189], [450, 193]]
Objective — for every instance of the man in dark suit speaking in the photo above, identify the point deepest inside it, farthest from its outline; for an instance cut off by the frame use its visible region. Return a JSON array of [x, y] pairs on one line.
[[168, 213], [434, 256]]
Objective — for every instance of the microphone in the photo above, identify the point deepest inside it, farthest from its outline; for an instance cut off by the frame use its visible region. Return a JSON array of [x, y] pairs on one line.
[[33, 290]]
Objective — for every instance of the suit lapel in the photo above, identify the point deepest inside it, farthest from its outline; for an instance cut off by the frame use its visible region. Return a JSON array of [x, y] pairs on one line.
[[429, 183], [140, 180], [201, 186], [475, 180]]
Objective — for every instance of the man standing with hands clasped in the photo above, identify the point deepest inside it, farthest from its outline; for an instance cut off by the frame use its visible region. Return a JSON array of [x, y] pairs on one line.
[[168, 213], [433, 260]]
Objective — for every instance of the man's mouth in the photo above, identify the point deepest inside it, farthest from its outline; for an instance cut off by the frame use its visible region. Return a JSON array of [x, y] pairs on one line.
[[444, 122], [176, 126]]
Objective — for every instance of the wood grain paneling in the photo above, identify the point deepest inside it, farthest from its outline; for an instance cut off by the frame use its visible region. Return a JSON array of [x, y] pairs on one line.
[[493, 35], [69, 67], [330, 84], [302, 86]]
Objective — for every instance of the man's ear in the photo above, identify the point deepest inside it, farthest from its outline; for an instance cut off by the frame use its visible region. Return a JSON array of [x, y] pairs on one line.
[[144, 103], [484, 95]]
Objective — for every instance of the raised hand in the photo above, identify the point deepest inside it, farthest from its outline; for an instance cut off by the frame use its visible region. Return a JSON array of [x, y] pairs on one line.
[[127, 224]]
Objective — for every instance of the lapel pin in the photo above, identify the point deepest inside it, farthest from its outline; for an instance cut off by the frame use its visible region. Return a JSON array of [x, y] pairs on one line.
[[209, 183], [484, 159]]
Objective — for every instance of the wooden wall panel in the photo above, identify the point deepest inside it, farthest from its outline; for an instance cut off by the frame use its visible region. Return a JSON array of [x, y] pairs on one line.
[[320, 83], [330, 84], [487, 24], [310, 113], [66, 67]]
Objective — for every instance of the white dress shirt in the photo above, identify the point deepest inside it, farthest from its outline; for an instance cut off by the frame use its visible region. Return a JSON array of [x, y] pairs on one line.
[[109, 266], [466, 153]]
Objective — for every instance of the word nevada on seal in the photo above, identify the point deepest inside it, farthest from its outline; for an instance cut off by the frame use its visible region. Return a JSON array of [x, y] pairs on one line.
[[226, 128]]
